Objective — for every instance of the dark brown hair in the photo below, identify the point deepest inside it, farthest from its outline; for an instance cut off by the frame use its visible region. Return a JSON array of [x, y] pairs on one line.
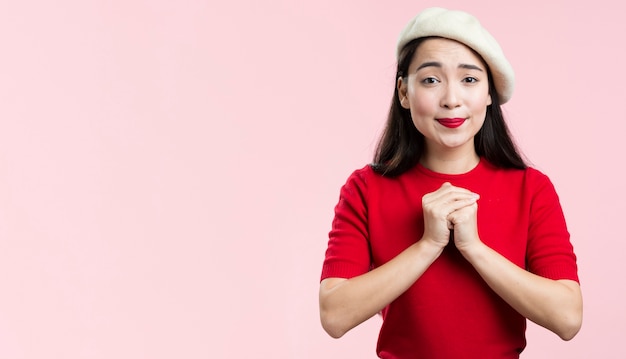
[[401, 145]]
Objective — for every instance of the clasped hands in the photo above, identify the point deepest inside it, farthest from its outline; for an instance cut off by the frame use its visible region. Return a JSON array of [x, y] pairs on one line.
[[451, 209]]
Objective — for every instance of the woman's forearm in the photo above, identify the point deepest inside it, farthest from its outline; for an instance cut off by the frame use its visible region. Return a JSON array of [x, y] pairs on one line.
[[553, 304], [346, 303]]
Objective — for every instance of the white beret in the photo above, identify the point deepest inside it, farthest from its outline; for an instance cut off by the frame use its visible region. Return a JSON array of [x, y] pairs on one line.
[[466, 29]]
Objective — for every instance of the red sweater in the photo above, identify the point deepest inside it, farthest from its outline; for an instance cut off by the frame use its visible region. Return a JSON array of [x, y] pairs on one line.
[[450, 312]]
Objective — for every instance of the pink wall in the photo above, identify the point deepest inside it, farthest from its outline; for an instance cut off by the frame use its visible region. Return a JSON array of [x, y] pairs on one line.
[[168, 169]]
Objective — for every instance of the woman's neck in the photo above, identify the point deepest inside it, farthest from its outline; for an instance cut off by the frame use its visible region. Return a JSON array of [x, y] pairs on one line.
[[450, 163]]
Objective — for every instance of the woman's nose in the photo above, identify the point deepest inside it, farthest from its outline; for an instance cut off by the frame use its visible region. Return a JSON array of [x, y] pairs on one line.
[[451, 97]]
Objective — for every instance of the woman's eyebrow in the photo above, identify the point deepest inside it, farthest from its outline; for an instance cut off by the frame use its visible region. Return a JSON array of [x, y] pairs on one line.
[[438, 64], [470, 67], [429, 64]]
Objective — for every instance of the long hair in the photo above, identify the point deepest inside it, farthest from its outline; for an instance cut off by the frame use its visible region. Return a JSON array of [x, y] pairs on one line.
[[401, 145]]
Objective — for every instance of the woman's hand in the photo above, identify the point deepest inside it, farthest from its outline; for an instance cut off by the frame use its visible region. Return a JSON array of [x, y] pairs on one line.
[[464, 223], [444, 209]]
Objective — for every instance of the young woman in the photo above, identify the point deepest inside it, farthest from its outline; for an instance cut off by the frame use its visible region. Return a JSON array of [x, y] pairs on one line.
[[449, 235]]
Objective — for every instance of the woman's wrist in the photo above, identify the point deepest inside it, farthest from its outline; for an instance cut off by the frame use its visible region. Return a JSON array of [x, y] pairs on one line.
[[429, 248], [474, 251]]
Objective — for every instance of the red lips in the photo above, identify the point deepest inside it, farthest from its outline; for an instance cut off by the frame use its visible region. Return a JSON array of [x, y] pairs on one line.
[[451, 122]]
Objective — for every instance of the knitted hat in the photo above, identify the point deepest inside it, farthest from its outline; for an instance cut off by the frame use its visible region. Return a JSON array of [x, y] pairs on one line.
[[464, 28]]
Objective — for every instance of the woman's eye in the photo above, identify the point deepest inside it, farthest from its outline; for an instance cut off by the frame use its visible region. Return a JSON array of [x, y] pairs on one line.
[[470, 80], [430, 80]]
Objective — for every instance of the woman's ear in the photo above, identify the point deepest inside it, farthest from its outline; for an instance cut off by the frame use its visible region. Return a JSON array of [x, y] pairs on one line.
[[402, 93]]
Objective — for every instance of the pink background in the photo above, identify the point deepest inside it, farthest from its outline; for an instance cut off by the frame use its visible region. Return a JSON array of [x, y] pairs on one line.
[[168, 169]]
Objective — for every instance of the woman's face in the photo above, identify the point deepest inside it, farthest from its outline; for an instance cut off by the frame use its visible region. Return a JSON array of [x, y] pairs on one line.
[[447, 93]]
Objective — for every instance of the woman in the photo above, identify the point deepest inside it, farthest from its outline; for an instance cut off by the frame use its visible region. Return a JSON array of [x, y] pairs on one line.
[[449, 235]]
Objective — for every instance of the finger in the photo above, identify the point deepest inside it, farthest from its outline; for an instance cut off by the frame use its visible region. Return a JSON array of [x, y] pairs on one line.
[[443, 199], [448, 215], [462, 214], [451, 209], [451, 200], [445, 190], [455, 202]]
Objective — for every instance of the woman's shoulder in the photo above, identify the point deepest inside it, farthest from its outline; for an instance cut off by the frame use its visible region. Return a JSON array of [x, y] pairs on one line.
[[361, 176], [530, 177], [529, 172], [367, 172], [367, 177], [535, 175]]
